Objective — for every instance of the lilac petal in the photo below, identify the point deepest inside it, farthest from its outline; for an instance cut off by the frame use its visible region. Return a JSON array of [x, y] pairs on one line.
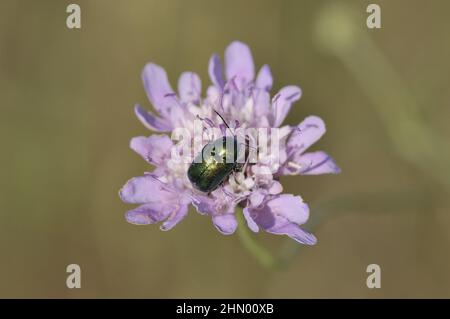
[[239, 63], [276, 188], [203, 204], [261, 104], [264, 78], [282, 215], [148, 214], [144, 189], [215, 71], [217, 204], [289, 207], [158, 88], [250, 222], [225, 223], [189, 87], [280, 211], [175, 217], [282, 105], [297, 233], [176, 114], [257, 197], [306, 133], [223, 129], [316, 163], [155, 149], [151, 121]]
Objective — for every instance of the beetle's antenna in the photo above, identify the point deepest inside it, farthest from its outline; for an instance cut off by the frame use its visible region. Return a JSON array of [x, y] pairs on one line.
[[225, 122], [222, 119], [222, 94]]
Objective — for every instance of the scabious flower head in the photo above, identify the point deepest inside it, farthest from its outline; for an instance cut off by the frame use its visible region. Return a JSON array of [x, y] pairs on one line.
[[244, 101]]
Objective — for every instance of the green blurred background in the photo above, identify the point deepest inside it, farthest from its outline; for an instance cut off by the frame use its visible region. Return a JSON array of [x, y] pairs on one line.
[[67, 98]]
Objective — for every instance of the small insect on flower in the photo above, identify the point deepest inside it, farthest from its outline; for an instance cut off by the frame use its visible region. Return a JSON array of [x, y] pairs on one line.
[[224, 178], [217, 161]]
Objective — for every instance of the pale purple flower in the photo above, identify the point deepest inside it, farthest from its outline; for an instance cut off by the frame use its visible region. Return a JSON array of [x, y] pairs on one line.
[[165, 193]]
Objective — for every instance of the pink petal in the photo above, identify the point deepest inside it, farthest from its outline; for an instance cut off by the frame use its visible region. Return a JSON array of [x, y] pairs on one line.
[[203, 204], [175, 217], [144, 189], [158, 88], [305, 134], [250, 222], [226, 223], [316, 163], [148, 213], [239, 63], [288, 208], [297, 233], [189, 87], [215, 71], [282, 215], [257, 197], [155, 149], [283, 102], [261, 106], [264, 78], [151, 121]]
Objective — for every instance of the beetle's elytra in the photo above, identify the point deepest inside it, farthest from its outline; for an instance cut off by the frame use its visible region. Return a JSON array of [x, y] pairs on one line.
[[214, 164]]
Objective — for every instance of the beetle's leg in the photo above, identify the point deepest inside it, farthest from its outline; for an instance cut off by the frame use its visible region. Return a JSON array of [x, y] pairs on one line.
[[245, 164], [248, 146], [248, 155]]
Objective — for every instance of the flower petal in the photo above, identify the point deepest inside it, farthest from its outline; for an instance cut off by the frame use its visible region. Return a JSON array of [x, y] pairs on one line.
[[290, 208], [250, 222], [257, 197], [203, 204], [175, 217], [158, 88], [155, 149], [261, 107], [264, 78], [276, 188], [148, 214], [215, 71], [225, 223], [189, 87], [283, 101], [145, 189], [297, 233], [239, 63], [282, 215], [305, 134], [313, 163], [151, 121]]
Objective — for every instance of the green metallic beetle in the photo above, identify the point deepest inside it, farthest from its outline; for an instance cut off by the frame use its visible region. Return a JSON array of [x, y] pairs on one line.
[[217, 161]]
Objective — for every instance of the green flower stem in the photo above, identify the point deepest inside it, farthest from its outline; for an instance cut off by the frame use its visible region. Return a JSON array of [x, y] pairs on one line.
[[260, 253]]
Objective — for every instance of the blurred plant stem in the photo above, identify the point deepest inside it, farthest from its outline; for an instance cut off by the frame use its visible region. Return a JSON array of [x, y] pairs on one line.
[[343, 33], [385, 202], [261, 254]]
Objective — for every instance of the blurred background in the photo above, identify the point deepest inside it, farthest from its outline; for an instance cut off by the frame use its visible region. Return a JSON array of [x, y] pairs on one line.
[[67, 97]]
